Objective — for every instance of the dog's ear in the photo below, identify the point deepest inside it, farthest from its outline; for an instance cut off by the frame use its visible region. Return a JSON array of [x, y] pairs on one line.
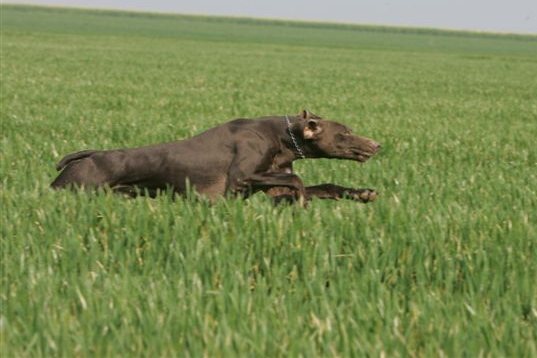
[[312, 129], [305, 114]]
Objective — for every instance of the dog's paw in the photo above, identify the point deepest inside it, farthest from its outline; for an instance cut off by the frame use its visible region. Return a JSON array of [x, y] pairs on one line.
[[362, 195]]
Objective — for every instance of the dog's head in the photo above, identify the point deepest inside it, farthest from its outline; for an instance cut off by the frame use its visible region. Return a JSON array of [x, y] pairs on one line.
[[327, 139]]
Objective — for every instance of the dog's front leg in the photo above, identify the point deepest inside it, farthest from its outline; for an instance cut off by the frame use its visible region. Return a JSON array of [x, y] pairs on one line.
[[336, 192], [249, 172], [281, 194], [282, 187]]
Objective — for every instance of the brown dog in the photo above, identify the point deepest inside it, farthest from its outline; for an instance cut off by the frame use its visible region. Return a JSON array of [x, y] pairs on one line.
[[240, 157]]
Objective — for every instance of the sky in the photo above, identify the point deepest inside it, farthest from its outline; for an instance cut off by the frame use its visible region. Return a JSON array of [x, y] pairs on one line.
[[518, 16]]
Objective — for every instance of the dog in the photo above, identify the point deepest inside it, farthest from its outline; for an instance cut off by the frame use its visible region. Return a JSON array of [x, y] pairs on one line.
[[237, 158]]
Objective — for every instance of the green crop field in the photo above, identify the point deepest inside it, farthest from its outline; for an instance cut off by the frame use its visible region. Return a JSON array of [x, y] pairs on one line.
[[443, 264]]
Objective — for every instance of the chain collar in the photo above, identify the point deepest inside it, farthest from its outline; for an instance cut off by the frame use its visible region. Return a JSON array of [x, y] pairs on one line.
[[295, 143]]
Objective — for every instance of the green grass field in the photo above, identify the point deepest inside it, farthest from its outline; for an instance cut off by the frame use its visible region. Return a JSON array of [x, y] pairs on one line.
[[443, 264]]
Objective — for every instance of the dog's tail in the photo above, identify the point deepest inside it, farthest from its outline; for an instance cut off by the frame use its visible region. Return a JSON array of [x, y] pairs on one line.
[[74, 156]]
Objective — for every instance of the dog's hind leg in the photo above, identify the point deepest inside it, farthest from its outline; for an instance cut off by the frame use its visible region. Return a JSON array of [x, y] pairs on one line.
[[81, 173], [133, 191]]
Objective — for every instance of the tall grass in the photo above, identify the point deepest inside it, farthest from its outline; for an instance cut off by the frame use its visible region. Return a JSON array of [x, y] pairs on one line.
[[443, 264]]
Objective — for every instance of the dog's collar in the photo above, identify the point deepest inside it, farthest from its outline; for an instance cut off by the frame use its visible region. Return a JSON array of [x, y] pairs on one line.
[[295, 143]]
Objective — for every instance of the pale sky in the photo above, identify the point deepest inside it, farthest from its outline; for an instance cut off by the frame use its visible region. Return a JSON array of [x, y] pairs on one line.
[[484, 15]]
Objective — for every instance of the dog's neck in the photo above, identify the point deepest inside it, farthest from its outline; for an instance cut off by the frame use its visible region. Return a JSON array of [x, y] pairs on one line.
[[293, 138]]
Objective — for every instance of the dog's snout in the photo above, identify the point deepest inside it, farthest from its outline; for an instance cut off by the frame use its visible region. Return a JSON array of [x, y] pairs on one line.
[[375, 145]]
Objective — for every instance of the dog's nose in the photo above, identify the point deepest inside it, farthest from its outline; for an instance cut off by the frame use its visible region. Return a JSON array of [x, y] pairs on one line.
[[376, 145]]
